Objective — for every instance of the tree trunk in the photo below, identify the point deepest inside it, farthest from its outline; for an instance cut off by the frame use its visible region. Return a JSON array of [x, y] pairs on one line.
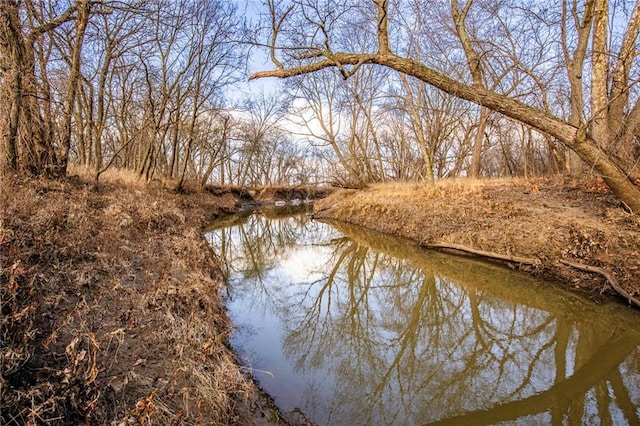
[[12, 49], [74, 77], [28, 142], [476, 158]]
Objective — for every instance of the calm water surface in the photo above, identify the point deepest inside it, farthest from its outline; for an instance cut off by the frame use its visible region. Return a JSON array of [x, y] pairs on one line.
[[343, 326]]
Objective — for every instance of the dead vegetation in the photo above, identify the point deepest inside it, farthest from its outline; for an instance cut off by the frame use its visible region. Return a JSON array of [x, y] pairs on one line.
[[548, 220], [110, 312]]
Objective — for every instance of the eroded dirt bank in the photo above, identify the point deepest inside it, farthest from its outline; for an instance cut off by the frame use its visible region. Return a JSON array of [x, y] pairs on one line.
[[545, 220], [110, 309]]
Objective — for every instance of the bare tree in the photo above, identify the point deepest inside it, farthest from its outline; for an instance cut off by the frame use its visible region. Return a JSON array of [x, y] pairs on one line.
[[81, 21], [27, 143], [613, 116]]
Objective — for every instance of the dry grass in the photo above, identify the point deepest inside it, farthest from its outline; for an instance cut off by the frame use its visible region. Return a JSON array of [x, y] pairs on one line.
[[445, 186], [547, 219], [110, 311], [112, 176]]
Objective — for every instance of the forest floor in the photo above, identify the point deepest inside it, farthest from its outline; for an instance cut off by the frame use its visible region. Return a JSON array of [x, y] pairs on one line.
[[110, 308], [534, 224]]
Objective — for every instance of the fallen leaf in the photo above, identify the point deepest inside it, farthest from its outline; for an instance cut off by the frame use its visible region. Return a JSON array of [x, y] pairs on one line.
[[139, 361]]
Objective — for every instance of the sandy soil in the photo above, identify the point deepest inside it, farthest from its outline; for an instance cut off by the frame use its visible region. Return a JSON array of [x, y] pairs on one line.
[[545, 220]]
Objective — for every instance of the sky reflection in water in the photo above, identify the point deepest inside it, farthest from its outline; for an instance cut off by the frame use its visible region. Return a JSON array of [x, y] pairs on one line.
[[352, 327]]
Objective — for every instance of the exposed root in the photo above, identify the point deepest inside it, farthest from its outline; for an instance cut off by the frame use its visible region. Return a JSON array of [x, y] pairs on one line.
[[612, 280]]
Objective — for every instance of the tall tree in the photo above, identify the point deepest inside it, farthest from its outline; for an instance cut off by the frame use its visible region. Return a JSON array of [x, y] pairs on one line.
[[81, 21]]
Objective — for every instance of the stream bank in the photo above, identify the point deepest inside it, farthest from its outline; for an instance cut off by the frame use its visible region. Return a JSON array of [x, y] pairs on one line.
[[110, 308], [545, 220]]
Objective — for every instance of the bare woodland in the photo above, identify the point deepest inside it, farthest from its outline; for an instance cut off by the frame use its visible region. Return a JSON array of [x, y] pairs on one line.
[[375, 90], [181, 94], [138, 85]]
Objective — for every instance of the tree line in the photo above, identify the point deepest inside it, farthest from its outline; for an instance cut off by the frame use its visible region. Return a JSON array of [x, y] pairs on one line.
[[375, 90], [139, 85], [567, 70]]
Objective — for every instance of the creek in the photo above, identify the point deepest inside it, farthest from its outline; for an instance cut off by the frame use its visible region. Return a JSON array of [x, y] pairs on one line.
[[345, 326]]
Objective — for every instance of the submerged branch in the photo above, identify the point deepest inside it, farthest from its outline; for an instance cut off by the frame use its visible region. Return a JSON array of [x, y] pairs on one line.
[[486, 254]]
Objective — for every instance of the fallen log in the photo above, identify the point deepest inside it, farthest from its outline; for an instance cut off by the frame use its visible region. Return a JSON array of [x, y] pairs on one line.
[[487, 254]]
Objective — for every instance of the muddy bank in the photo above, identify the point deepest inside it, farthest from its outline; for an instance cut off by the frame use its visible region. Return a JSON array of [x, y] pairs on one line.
[[110, 309], [544, 220]]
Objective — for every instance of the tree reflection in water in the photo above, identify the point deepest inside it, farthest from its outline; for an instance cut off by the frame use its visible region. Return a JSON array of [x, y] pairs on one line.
[[360, 328]]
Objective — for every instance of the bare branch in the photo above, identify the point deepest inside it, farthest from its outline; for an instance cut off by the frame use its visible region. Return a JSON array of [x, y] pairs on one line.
[[473, 60], [67, 16], [275, 26], [482, 96], [338, 58], [620, 75]]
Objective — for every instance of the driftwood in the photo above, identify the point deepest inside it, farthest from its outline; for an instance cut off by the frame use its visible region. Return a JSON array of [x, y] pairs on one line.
[[487, 254], [612, 280]]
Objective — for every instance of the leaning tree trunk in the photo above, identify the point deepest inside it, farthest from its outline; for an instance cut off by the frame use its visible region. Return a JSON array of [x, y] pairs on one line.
[[574, 138]]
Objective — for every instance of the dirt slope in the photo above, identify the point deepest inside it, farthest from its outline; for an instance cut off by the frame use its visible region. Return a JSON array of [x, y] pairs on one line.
[[110, 310], [547, 220]]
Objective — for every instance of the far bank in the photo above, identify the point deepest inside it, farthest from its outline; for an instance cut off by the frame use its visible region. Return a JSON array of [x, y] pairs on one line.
[[573, 232]]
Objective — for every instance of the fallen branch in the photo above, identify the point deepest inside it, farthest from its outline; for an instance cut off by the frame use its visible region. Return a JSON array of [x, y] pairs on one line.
[[612, 280], [487, 254]]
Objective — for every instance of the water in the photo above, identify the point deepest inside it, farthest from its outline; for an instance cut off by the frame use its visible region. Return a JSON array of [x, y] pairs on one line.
[[342, 326]]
